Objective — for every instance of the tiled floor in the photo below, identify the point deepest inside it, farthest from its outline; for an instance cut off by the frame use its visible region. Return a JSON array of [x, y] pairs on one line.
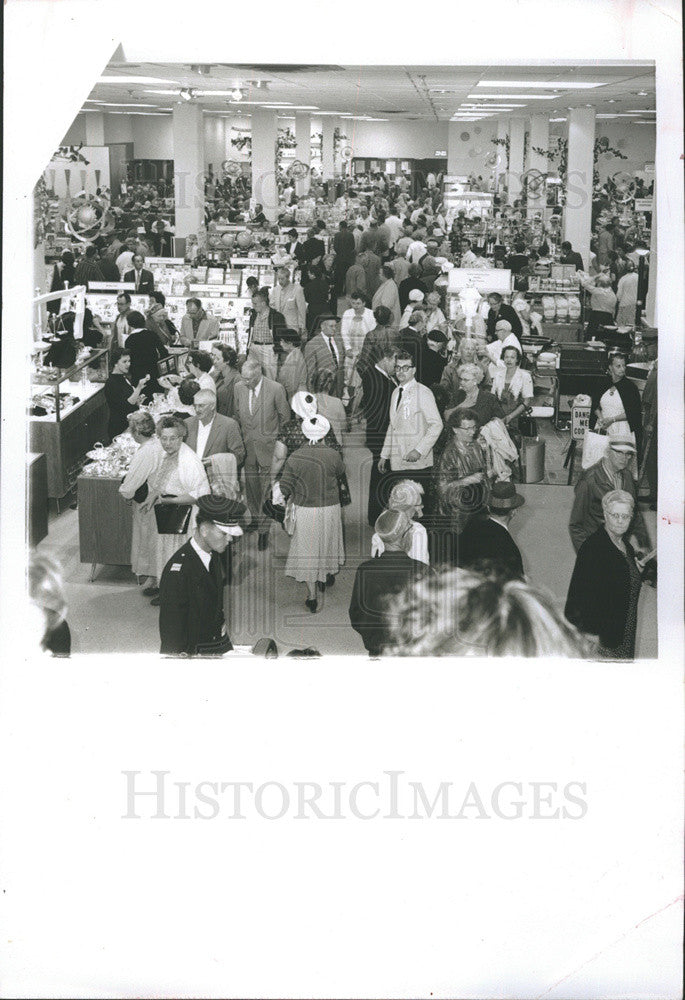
[[110, 615]]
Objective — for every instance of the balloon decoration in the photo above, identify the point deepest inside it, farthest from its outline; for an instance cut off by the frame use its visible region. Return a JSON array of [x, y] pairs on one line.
[[493, 160], [232, 168], [534, 181], [244, 240], [625, 187], [346, 153], [228, 240]]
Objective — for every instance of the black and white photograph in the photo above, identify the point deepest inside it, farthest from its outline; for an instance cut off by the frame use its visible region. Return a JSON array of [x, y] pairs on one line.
[[334, 346]]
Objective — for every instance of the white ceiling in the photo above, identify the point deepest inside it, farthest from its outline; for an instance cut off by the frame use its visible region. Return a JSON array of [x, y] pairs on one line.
[[428, 93]]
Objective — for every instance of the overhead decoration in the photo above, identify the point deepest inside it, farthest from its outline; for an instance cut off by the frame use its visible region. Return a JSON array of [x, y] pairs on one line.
[[298, 170], [232, 168], [465, 136], [87, 218], [72, 154], [346, 153]]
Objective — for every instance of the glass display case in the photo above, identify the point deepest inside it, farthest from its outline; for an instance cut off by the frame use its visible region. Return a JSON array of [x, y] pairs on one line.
[[67, 415], [59, 390]]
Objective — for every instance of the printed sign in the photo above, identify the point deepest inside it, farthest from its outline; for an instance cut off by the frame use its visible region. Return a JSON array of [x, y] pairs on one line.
[[485, 281], [580, 421], [643, 204]]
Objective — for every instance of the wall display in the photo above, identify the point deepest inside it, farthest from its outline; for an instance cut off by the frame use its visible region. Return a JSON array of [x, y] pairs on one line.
[[105, 306]]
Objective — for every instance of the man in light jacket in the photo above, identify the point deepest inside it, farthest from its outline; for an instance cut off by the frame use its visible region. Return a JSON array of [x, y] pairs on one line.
[[414, 427], [388, 295]]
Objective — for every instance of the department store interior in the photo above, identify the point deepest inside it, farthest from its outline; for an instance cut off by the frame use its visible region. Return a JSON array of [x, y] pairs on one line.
[[494, 212]]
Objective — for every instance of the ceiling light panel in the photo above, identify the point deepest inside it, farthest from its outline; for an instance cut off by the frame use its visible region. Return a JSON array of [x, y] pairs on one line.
[[512, 97], [544, 84], [133, 79]]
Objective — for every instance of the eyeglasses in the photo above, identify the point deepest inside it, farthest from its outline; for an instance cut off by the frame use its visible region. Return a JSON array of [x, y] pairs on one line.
[[618, 517], [404, 368]]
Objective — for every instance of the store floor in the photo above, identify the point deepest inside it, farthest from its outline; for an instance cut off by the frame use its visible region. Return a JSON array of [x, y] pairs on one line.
[[110, 615]]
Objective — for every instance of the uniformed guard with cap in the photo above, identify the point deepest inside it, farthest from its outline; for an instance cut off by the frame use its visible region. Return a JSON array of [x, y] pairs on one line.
[[191, 611]]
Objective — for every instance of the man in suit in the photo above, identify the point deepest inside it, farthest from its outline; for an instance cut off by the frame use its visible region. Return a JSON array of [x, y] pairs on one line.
[[413, 429], [260, 340], [326, 350], [500, 310], [161, 240], [387, 295], [197, 325], [378, 384], [261, 408], [377, 579], [288, 299], [210, 433], [313, 250], [191, 590], [345, 252], [432, 362], [140, 276], [88, 268], [486, 544]]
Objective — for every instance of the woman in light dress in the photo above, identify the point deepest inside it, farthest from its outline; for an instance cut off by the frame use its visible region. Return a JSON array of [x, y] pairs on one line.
[[407, 496], [143, 465]]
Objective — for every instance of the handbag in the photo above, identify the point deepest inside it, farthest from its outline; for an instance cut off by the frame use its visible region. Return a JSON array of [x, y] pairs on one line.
[[172, 518], [594, 448], [141, 493], [344, 490], [528, 427], [273, 510]]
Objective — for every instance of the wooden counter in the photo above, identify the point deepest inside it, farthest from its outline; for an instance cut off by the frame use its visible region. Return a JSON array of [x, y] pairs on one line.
[[105, 523], [64, 442]]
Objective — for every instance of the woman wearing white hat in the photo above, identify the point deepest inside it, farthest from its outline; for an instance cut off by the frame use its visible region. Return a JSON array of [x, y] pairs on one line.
[[416, 300], [311, 479]]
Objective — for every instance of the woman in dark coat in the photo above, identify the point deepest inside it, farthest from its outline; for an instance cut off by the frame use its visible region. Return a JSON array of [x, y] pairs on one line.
[[62, 277], [146, 349], [605, 586]]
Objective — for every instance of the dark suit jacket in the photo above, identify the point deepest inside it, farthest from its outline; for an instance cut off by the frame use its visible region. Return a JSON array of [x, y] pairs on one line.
[[405, 287], [484, 540], [431, 365], [318, 357], [375, 582], [191, 606], [508, 313], [377, 391], [224, 436], [261, 427], [225, 379], [599, 592], [344, 247], [147, 281], [110, 271]]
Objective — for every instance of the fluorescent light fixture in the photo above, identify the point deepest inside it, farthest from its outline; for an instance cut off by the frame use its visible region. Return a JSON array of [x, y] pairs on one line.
[[542, 84], [121, 104], [490, 107], [153, 114], [291, 107], [133, 79], [564, 119], [517, 97], [608, 116]]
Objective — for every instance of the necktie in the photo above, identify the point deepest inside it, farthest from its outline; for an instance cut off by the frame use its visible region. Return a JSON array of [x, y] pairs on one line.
[[137, 280], [399, 398], [251, 401], [334, 351]]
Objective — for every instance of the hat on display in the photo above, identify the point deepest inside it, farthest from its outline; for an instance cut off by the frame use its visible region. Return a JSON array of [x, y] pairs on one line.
[[315, 428], [303, 404], [503, 496], [416, 295], [224, 513], [620, 441]]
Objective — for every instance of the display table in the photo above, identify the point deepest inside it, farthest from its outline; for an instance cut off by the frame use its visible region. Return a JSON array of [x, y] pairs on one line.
[[37, 475], [105, 523], [65, 441]]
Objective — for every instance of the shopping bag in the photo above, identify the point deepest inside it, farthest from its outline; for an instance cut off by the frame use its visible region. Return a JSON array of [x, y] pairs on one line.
[[594, 448], [172, 518]]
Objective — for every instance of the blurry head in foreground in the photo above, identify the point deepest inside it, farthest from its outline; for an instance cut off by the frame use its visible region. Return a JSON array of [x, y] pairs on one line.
[[461, 613]]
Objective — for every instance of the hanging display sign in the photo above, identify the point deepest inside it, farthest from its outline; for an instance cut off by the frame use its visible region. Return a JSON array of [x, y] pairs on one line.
[[484, 281], [649, 168], [643, 204], [164, 261]]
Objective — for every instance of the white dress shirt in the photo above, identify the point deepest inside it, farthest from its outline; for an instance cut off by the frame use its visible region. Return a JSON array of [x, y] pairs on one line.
[[206, 557], [203, 432], [122, 329], [124, 262], [416, 251]]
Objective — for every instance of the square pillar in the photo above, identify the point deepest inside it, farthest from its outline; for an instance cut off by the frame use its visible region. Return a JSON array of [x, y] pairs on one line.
[[517, 127], [303, 150], [264, 138], [95, 128], [578, 207], [328, 126], [189, 167], [537, 163], [500, 169]]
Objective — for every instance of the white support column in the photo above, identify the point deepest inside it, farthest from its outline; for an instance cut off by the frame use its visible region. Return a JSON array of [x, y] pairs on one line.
[[453, 130], [189, 167], [328, 126], [500, 170], [303, 151], [650, 304], [578, 208], [95, 128], [264, 136], [539, 138], [517, 128]]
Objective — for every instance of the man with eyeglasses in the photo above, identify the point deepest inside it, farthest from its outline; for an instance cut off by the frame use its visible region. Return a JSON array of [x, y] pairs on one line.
[[414, 427], [611, 473]]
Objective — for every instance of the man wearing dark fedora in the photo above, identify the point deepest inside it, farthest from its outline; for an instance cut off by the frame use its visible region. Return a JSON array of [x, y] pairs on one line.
[[191, 590], [486, 542]]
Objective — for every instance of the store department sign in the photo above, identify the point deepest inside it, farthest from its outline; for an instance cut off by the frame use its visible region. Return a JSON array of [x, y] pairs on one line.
[[484, 281], [643, 204]]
